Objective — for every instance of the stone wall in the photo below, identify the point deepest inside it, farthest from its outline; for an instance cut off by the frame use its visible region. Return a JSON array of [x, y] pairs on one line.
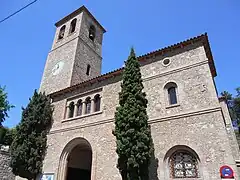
[[196, 122], [5, 170], [69, 57]]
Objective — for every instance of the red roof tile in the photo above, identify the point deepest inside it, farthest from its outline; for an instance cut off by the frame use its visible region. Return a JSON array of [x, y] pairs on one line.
[[201, 38]]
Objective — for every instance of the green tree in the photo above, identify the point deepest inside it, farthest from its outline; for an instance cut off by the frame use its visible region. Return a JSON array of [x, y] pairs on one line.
[[132, 132], [227, 95], [9, 136], [236, 107], [30, 143], [3, 132], [233, 105], [230, 102], [5, 106]]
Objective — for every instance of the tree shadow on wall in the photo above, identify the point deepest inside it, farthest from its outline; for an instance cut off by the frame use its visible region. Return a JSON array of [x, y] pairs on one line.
[[153, 166]]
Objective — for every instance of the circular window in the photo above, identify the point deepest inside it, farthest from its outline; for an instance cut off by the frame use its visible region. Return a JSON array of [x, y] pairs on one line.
[[166, 62]]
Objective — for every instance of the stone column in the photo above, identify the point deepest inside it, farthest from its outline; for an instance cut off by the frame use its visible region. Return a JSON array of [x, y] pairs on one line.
[[67, 112], [100, 105], [75, 114], [92, 106], [83, 108]]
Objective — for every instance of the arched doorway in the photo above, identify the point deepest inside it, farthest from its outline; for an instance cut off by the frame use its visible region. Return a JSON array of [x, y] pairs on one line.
[[76, 161]]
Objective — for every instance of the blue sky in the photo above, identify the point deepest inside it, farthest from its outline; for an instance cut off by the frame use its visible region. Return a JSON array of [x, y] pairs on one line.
[[147, 25]]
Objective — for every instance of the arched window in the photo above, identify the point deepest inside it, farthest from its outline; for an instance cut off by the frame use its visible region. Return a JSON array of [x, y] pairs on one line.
[[92, 32], [171, 89], [88, 70], [88, 106], [183, 164], [79, 106], [97, 102], [61, 32], [71, 110], [172, 96], [73, 26]]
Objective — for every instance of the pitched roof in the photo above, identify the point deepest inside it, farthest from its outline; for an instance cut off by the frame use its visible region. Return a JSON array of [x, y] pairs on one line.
[[201, 38]]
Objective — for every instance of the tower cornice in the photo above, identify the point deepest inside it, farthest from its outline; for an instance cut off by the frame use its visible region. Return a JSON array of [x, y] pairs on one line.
[[75, 13]]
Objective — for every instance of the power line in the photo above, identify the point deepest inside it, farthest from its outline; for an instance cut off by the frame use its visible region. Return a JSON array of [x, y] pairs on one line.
[[17, 11]]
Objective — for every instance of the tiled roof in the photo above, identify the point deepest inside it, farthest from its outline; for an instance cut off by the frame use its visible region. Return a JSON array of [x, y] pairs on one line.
[[201, 38]]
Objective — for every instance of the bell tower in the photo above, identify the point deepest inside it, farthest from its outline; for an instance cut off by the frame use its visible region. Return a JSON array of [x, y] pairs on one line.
[[76, 53]]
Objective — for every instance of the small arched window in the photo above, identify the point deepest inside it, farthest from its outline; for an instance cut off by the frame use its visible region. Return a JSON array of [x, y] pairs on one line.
[[88, 70], [61, 32], [172, 95], [71, 110], [79, 106], [92, 32], [73, 26], [183, 164], [88, 106], [97, 103], [171, 89]]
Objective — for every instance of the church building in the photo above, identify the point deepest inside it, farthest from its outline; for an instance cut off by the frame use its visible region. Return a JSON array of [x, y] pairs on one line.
[[190, 125]]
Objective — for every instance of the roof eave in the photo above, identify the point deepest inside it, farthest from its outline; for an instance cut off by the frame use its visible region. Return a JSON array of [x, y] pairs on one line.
[[75, 13], [202, 38]]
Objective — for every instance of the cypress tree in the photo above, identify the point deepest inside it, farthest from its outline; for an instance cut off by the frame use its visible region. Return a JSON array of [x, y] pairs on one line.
[[29, 145], [133, 135], [3, 132]]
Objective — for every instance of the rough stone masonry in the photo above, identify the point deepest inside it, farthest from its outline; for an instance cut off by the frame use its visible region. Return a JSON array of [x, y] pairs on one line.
[[5, 169]]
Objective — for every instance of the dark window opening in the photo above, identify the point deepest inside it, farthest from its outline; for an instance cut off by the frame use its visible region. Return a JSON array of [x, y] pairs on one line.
[[71, 110], [61, 32], [172, 95], [166, 61], [79, 110], [88, 106], [73, 26], [92, 32], [97, 102], [88, 70]]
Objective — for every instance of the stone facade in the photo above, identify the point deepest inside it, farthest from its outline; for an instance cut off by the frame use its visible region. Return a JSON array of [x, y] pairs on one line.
[[5, 169], [198, 123]]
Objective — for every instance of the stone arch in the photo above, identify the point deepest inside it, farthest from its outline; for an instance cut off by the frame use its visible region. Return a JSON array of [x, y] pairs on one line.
[[88, 105], [71, 110], [79, 107], [61, 32], [92, 32], [97, 102], [180, 148], [68, 159], [171, 93], [73, 26]]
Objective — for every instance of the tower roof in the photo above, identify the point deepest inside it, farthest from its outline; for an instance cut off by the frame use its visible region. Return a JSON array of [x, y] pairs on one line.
[[76, 12]]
